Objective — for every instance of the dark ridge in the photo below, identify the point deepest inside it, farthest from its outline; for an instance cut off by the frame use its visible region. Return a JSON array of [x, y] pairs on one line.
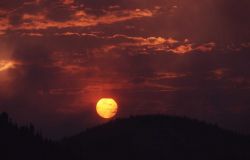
[[138, 137], [159, 137]]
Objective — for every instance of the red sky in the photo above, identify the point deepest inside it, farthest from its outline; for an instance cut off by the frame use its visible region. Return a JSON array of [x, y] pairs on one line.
[[177, 57]]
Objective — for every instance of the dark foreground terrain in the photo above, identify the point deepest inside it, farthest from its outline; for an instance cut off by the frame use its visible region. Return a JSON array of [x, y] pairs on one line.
[[142, 137]]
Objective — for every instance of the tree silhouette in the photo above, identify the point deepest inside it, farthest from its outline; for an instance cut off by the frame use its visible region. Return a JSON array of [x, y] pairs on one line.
[[138, 137]]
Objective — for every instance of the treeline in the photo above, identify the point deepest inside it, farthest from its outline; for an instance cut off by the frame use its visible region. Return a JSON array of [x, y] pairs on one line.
[[138, 137], [25, 143]]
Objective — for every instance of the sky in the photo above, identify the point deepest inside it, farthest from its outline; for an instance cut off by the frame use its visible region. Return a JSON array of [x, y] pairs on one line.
[[175, 57]]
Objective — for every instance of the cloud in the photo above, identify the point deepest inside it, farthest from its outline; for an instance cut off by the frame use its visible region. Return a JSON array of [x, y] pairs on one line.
[[32, 34], [75, 18], [183, 49], [68, 2], [5, 65], [149, 41], [208, 47], [187, 48], [3, 26]]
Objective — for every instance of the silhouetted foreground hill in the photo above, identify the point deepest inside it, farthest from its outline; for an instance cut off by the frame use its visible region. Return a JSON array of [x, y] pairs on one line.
[[22, 143], [159, 137], [144, 137]]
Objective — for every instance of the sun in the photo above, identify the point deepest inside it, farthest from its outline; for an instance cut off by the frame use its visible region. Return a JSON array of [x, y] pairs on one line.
[[106, 108]]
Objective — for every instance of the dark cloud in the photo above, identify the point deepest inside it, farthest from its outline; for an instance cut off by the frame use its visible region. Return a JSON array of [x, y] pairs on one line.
[[11, 4]]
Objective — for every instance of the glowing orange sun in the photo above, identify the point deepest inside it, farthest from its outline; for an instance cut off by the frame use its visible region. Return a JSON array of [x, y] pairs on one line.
[[106, 108]]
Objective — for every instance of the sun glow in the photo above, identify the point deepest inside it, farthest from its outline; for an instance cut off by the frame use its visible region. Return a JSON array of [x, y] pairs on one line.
[[106, 108]]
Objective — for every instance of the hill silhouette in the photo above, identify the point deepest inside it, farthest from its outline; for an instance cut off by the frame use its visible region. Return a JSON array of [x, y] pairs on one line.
[[140, 137], [24, 143], [158, 137]]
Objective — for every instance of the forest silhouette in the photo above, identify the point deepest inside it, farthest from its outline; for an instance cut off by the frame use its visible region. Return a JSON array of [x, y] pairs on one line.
[[138, 137]]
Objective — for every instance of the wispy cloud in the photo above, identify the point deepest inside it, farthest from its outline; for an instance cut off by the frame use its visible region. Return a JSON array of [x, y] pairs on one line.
[[5, 65]]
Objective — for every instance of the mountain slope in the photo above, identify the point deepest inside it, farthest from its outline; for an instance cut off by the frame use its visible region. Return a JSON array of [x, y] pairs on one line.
[[158, 137]]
